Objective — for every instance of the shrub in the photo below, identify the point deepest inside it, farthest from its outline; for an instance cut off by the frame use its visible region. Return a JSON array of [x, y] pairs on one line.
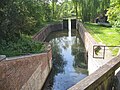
[[23, 46]]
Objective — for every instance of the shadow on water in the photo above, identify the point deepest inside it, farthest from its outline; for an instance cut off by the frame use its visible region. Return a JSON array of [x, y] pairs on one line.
[[69, 64]]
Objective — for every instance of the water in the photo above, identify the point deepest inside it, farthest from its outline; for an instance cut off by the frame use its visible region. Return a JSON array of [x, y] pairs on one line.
[[69, 63]]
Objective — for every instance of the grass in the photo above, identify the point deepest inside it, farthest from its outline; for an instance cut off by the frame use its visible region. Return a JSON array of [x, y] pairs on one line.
[[106, 35]]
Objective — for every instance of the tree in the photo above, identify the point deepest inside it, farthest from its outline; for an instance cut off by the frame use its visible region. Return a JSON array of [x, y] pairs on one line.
[[64, 9], [22, 17], [54, 7], [114, 13], [89, 9]]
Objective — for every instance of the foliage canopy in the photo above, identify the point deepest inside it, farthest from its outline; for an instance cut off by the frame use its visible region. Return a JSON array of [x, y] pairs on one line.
[[114, 13]]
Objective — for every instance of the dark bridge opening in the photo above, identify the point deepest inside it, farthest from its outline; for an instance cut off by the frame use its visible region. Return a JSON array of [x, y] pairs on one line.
[[73, 23], [65, 23]]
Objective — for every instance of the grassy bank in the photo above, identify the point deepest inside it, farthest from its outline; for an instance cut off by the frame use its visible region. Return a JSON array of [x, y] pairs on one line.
[[106, 35]]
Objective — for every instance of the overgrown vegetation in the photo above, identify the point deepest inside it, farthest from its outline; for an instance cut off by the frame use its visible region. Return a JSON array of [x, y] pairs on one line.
[[114, 13], [88, 10], [106, 35], [23, 46], [18, 17], [22, 17]]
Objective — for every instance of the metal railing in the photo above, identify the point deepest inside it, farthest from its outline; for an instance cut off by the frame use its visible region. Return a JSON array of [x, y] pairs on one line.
[[2, 57], [97, 48]]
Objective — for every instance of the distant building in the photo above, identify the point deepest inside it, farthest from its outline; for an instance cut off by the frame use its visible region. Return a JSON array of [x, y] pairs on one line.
[[102, 18]]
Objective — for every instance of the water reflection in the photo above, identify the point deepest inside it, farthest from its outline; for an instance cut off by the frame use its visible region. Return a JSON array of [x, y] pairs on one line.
[[69, 64], [80, 64], [69, 28]]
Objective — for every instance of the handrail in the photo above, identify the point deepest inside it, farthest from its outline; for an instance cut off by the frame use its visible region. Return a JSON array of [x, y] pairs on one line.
[[98, 47], [2, 57], [103, 78]]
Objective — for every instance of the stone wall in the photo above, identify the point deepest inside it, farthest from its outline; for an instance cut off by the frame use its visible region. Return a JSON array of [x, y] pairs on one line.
[[28, 72], [25, 72], [44, 32], [89, 42], [86, 37]]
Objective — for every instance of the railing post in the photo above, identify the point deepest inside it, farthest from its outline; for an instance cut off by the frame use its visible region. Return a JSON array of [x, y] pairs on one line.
[[104, 53]]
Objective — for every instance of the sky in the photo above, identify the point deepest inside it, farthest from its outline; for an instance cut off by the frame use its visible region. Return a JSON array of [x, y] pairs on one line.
[[60, 1]]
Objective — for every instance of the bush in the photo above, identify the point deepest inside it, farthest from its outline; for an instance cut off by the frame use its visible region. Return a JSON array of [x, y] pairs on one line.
[[23, 46]]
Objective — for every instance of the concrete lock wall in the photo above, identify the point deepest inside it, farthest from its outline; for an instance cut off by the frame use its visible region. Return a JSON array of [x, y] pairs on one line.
[[44, 32], [28, 72], [25, 72], [89, 42], [101, 78], [86, 38]]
